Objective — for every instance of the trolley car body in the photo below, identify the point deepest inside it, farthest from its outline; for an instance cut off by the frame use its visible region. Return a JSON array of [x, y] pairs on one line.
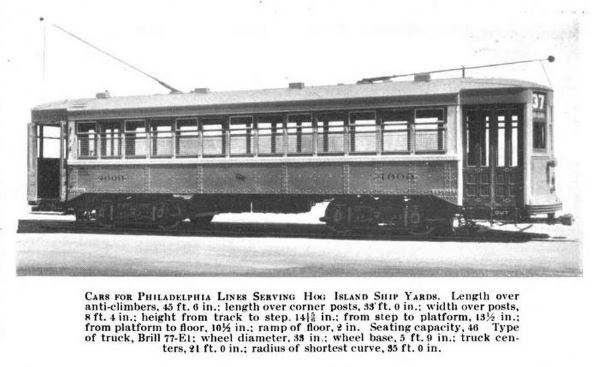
[[401, 153]]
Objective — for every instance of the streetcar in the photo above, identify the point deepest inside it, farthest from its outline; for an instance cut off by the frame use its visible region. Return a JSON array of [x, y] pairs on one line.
[[414, 154]]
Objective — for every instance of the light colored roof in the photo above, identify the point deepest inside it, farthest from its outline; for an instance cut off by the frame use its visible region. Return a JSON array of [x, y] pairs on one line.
[[288, 95]]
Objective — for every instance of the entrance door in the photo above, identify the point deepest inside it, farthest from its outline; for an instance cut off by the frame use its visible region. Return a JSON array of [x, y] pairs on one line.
[[48, 162], [493, 157]]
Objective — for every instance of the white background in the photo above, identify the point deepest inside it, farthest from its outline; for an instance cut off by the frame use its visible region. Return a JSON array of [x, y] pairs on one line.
[[228, 45]]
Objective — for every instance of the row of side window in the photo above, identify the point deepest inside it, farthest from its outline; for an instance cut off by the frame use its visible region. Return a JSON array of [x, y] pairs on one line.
[[368, 132]]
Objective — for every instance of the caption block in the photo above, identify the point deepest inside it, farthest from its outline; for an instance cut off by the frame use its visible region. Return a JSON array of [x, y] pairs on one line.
[[301, 322]]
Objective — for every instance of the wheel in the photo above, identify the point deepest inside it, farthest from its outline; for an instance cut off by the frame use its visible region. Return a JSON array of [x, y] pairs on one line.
[[337, 216], [168, 215], [445, 226], [417, 223], [202, 221], [105, 214]]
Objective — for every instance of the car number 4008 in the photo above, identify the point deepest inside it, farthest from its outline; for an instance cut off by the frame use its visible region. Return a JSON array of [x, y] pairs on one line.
[[111, 178], [394, 176]]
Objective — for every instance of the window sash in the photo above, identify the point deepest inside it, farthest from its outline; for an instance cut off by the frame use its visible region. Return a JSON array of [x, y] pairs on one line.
[[430, 130], [187, 137], [86, 140], [161, 139], [270, 131], [213, 137], [300, 134], [363, 132], [136, 139], [331, 134], [110, 144], [396, 131], [539, 135]]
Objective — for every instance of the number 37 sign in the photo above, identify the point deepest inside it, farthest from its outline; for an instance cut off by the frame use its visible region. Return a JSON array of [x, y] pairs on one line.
[[539, 101]]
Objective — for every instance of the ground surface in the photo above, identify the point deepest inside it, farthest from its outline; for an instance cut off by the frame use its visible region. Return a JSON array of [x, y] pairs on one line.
[[256, 245]]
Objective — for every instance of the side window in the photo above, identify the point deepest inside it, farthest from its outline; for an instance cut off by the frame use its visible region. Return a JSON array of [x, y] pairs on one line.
[[515, 157], [186, 137], [472, 137], [330, 132], [161, 138], [86, 140], [539, 135], [300, 134], [213, 137], [241, 136], [507, 131], [110, 139], [358, 132], [270, 135], [502, 151], [540, 118], [135, 139], [430, 130], [363, 132], [395, 125], [478, 138], [48, 141]]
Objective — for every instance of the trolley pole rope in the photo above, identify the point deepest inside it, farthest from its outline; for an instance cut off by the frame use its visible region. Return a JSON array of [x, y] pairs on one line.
[[462, 68]]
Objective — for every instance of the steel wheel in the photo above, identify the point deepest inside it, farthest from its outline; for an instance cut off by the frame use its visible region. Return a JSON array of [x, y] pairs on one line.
[[337, 216], [417, 223], [105, 214], [168, 215]]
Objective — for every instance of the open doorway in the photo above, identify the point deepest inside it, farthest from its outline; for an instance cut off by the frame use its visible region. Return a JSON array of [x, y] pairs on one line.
[[48, 161]]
